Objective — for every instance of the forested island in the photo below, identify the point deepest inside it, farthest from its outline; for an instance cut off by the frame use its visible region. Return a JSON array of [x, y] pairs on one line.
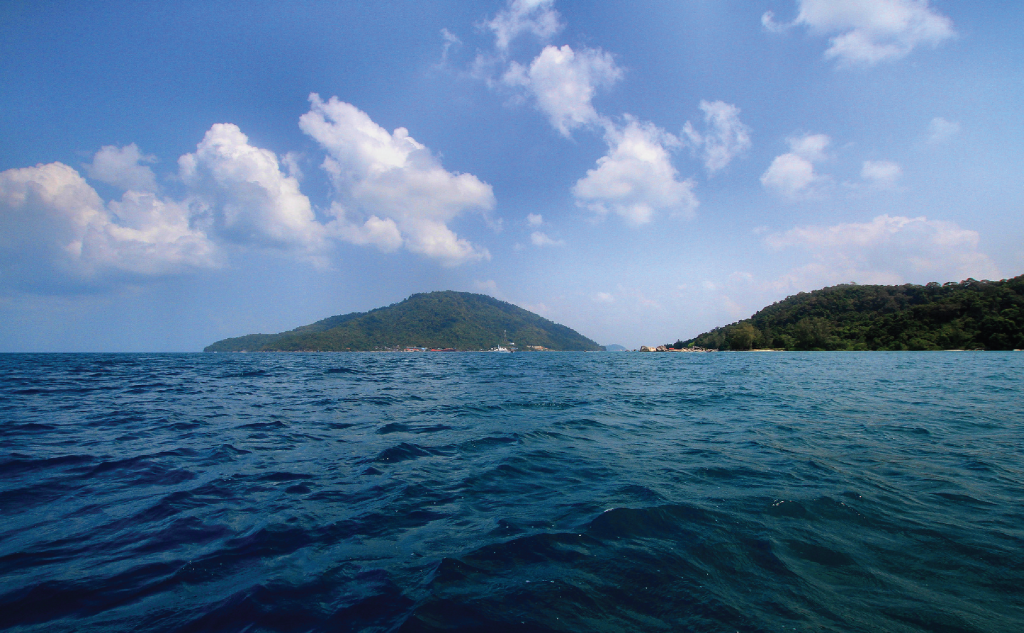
[[971, 314], [449, 321]]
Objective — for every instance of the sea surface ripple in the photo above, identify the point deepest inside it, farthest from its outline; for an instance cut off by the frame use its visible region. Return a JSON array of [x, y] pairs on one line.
[[524, 492]]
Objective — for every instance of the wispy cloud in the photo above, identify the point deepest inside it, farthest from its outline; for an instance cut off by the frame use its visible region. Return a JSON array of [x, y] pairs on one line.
[[537, 238], [537, 17], [724, 137], [881, 174], [940, 130], [887, 250], [450, 41]]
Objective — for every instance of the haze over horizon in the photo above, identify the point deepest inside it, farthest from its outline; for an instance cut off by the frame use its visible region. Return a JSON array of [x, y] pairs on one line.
[[175, 174]]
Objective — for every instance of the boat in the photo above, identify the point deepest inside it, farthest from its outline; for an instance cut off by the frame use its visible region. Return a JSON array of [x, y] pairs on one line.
[[501, 348]]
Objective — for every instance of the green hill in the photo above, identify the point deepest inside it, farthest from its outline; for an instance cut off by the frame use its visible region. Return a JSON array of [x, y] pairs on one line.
[[967, 315], [459, 320]]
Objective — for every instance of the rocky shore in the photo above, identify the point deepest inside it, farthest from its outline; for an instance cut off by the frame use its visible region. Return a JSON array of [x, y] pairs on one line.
[[668, 348]]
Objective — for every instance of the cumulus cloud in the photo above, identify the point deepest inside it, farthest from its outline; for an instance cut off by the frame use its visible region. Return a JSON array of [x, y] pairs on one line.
[[52, 220], [724, 138], [538, 238], [390, 177], [886, 250], [792, 174], [391, 193], [604, 297], [122, 168], [866, 32], [534, 219], [537, 17], [940, 130], [882, 174], [240, 191], [563, 83], [636, 178], [374, 231]]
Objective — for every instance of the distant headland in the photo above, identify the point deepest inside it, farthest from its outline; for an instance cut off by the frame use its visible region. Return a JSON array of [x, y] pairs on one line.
[[432, 321], [970, 315]]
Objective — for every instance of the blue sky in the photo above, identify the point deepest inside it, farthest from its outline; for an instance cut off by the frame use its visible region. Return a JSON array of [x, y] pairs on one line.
[[176, 173]]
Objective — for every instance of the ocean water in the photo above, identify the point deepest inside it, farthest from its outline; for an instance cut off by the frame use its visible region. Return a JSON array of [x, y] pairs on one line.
[[525, 492]]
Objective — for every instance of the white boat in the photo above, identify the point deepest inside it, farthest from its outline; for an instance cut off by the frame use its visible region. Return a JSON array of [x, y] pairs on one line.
[[502, 349]]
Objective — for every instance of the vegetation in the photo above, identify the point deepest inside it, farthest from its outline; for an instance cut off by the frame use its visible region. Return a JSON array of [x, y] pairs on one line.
[[967, 315], [459, 320]]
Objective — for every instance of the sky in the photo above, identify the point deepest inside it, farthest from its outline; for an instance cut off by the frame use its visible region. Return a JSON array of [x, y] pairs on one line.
[[175, 173]]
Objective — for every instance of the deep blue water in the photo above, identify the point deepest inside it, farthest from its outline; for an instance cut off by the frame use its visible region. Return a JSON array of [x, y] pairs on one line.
[[525, 492]]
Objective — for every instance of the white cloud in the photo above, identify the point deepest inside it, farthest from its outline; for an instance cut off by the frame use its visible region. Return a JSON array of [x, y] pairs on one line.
[[382, 233], [244, 197], [636, 178], [290, 160], [792, 174], [534, 219], [725, 137], [393, 178], [538, 238], [604, 297], [882, 174], [524, 16], [121, 167], [886, 250], [563, 83], [450, 41], [55, 229], [52, 220], [940, 130], [150, 235], [769, 23], [872, 31], [810, 146], [489, 286]]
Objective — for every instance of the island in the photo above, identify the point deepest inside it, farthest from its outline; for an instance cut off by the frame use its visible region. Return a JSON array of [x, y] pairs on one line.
[[430, 321], [969, 315]]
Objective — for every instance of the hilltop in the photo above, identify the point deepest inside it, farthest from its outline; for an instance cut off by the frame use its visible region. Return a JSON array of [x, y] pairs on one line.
[[971, 314], [456, 320]]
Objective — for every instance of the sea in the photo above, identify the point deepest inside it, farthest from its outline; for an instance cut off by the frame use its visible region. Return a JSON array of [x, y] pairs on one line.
[[481, 492]]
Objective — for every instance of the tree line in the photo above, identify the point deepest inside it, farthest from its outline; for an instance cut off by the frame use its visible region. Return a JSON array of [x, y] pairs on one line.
[[970, 314]]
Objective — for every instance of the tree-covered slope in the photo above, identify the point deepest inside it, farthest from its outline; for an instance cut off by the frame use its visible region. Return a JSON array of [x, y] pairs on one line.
[[967, 315], [460, 320]]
